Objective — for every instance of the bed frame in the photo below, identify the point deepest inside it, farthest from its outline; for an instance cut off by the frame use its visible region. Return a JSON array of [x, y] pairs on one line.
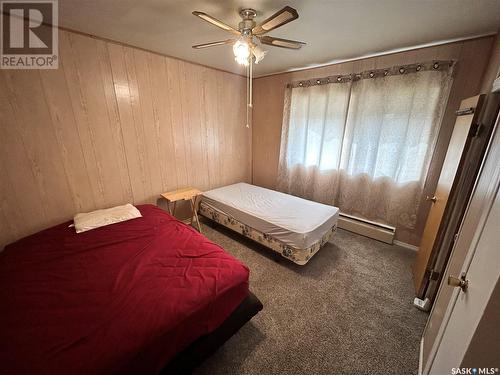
[[296, 255], [191, 357]]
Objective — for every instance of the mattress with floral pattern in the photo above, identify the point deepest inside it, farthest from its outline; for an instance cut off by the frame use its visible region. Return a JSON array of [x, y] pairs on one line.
[[290, 225]]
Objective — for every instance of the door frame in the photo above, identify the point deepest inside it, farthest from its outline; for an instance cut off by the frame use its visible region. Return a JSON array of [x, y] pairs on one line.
[[452, 218], [492, 182], [474, 103]]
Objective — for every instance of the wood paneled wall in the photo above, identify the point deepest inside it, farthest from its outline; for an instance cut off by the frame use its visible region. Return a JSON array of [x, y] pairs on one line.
[[113, 124], [472, 57]]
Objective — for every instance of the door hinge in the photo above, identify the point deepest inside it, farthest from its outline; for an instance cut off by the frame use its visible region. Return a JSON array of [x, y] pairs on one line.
[[465, 111], [432, 275], [475, 129]]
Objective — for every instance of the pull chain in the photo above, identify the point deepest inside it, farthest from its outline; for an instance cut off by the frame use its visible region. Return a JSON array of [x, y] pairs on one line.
[[248, 95], [249, 90]]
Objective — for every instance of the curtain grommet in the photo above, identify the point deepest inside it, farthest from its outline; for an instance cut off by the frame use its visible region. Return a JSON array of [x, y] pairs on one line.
[[402, 70]]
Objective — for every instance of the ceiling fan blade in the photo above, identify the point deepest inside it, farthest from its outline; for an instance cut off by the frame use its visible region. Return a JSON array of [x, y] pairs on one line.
[[212, 44], [216, 22], [285, 15], [278, 42]]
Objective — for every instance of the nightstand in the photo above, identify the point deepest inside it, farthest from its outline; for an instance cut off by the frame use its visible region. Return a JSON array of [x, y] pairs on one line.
[[187, 194]]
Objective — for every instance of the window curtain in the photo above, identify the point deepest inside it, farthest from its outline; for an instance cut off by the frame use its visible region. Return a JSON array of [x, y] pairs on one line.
[[364, 145]]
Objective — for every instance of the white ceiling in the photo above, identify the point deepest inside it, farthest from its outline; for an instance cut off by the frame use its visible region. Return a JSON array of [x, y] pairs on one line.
[[333, 30]]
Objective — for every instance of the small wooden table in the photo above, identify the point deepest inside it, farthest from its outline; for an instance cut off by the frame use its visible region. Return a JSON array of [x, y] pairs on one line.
[[187, 194]]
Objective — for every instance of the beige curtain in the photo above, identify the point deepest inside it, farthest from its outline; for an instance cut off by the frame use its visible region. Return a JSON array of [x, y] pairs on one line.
[[363, 145]]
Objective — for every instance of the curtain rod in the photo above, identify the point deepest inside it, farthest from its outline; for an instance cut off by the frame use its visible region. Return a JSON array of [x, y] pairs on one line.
[[376, 73]]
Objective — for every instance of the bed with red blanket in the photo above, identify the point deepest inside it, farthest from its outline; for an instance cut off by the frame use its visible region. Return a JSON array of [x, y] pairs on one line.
[[124, 298]]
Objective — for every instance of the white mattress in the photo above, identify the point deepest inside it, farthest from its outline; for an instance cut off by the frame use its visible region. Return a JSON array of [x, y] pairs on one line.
[[295, 221]]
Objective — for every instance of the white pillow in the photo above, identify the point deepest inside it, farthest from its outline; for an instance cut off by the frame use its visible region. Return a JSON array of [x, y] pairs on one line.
[[100, 218]]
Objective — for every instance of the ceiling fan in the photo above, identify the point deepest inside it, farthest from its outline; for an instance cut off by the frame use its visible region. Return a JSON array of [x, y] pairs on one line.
[[244, 46]]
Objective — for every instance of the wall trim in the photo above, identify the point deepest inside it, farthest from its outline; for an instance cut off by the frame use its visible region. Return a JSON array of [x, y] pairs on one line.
[[383, 53], [421, 356], [405, 245]]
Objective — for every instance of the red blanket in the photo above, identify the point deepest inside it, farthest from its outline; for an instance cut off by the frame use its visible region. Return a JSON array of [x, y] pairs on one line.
[[122, 298]]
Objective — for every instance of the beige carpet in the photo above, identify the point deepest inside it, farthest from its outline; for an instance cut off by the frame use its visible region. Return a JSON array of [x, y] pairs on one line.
[[348, 311]]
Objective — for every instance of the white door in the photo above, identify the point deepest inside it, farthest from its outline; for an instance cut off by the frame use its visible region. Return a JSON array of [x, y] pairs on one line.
[[481, 269]]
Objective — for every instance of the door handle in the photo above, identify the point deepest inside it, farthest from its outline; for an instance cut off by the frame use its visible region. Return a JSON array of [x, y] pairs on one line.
[[433, 199], [461, 282]]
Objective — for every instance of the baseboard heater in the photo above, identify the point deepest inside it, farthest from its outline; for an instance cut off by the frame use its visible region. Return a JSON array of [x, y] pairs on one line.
[[377, 231]]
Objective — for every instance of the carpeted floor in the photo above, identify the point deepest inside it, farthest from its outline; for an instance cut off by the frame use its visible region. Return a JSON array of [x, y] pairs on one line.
[[348, 311]]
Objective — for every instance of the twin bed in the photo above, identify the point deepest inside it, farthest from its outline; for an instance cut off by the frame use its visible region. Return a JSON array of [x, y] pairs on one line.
[[146, 295], [293, 227]]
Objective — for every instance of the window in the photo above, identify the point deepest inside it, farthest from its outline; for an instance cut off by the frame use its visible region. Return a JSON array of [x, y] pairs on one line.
[[378, 130]]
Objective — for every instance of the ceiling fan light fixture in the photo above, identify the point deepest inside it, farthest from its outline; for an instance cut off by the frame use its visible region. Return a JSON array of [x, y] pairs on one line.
[[259, 54], [241, 50], [241, 61]]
